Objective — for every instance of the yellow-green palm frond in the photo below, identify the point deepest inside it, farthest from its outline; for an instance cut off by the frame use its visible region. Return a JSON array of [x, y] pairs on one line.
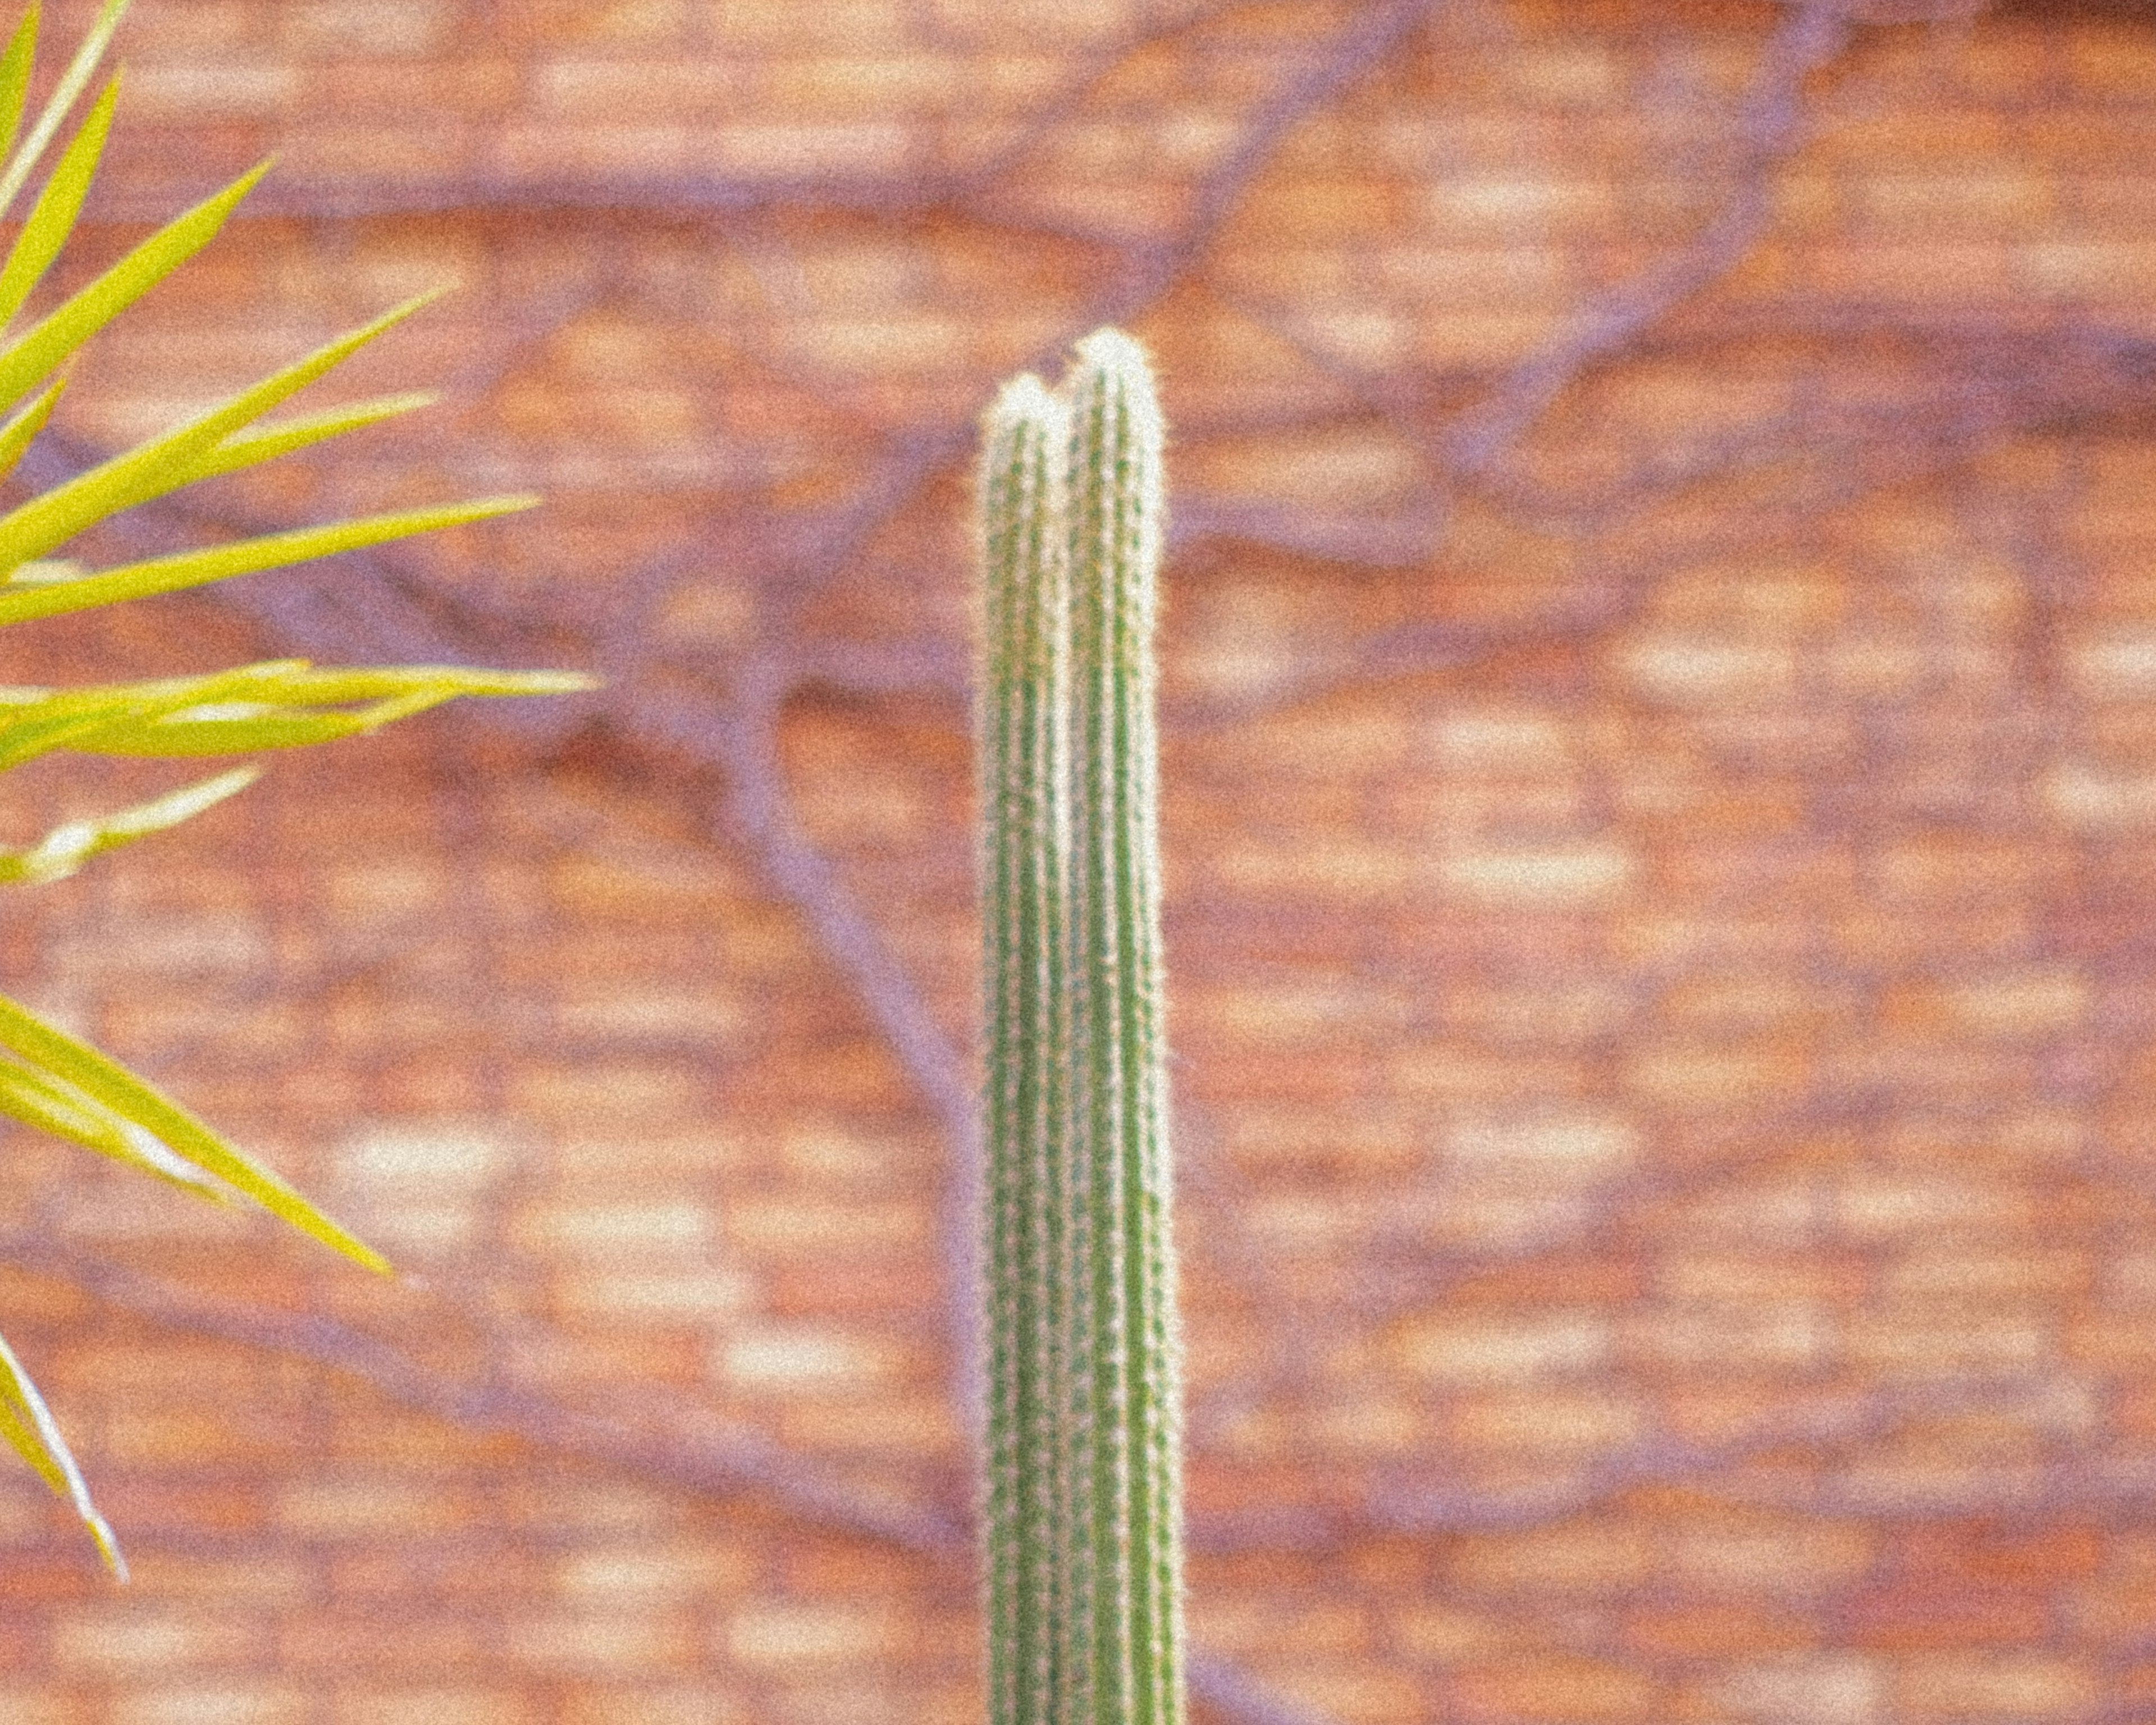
[[49, 1080]]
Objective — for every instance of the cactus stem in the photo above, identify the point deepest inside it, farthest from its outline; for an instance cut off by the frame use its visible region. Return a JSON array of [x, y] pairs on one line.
[[1083, 1511]]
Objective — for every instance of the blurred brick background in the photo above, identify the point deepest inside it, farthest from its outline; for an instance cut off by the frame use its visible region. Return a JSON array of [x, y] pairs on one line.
[[1661, 768]]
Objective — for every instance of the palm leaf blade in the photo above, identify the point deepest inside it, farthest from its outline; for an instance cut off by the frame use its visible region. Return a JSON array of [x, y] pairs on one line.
[[47, 342], [166, 463], [219, 562], [29, 1426], [15, 76], [68, 846], [235, 453], [44, 1048], [44, 1104], [52, 219], [73, 82]]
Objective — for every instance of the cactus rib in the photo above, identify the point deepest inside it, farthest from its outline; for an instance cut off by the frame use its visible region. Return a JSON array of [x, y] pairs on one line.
[[1083, 1513]]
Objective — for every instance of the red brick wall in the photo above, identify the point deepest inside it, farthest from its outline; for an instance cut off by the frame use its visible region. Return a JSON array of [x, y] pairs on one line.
[[1662, 670]]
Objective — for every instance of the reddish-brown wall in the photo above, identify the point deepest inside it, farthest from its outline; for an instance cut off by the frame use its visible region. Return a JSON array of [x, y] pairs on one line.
[[1662, 890]]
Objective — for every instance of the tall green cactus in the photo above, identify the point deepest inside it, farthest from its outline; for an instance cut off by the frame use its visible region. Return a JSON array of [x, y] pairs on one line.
[[1084, 1510]]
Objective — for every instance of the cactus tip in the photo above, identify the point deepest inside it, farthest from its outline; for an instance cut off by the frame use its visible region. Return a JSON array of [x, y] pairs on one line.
[[1112, 360], [1112, 349], [1025, 396], [1118, 357]]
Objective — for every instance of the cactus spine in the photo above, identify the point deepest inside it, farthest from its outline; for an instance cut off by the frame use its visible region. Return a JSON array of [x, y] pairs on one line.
[[1083, 1511]]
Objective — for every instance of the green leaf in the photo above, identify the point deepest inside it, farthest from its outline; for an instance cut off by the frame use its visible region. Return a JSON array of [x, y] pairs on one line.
[[51, 1051], [15, 76], [166, 463], [27, 422], [52, 220], [40, 1101], [73, 82], [235, 453], [20, 603], [46, 343], [35, 721], [72, 844], [28, 1424], [280, 704]]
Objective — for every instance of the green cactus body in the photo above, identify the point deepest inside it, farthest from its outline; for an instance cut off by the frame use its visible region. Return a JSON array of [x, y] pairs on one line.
[[1025, 870], [1083, 1513]]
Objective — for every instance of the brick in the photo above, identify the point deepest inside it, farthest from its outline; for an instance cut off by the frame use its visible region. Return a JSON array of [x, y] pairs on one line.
[[775, 1226], [1710, 669], [2029, 1686], [1728, 1630], [1332, 865], [476, 1704], [1828, 1688], [1563, 1145], [1555, 1688], [588, 92], [148, 1639], [1782, 1336], [595, 1095], [603, 1642], [1444, 1633], [2032, 1003], [802, 150], [198, 90], [633, 1572], [1771, 1559], [239, 1704], [653, 1704], [1345, 1689], [787, 1360], [2102, 60], [1459, 1351], [1694, 1075], [1584, 873], [784, 1636], [1563, 1425], [1926, 1620], [837, 84], [361, 1507], [22, 1704], [398, 28], [1985, 202]]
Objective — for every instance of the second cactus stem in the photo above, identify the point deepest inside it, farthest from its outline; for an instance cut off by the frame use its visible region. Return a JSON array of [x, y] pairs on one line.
[[1084, 1493]]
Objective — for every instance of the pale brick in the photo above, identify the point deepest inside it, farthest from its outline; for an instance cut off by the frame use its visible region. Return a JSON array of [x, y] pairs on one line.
[[784, 1361], [211, 89], [1563, 1145], [477, 1704], [237, 1704], [1467, 1350], [1996, 1686], [616, 1229], [1579, 873], [600, 1641], [146, 1640], [1807, 1689], [638, 1572], [401, 28], [1709, 670], [785, 1635]]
